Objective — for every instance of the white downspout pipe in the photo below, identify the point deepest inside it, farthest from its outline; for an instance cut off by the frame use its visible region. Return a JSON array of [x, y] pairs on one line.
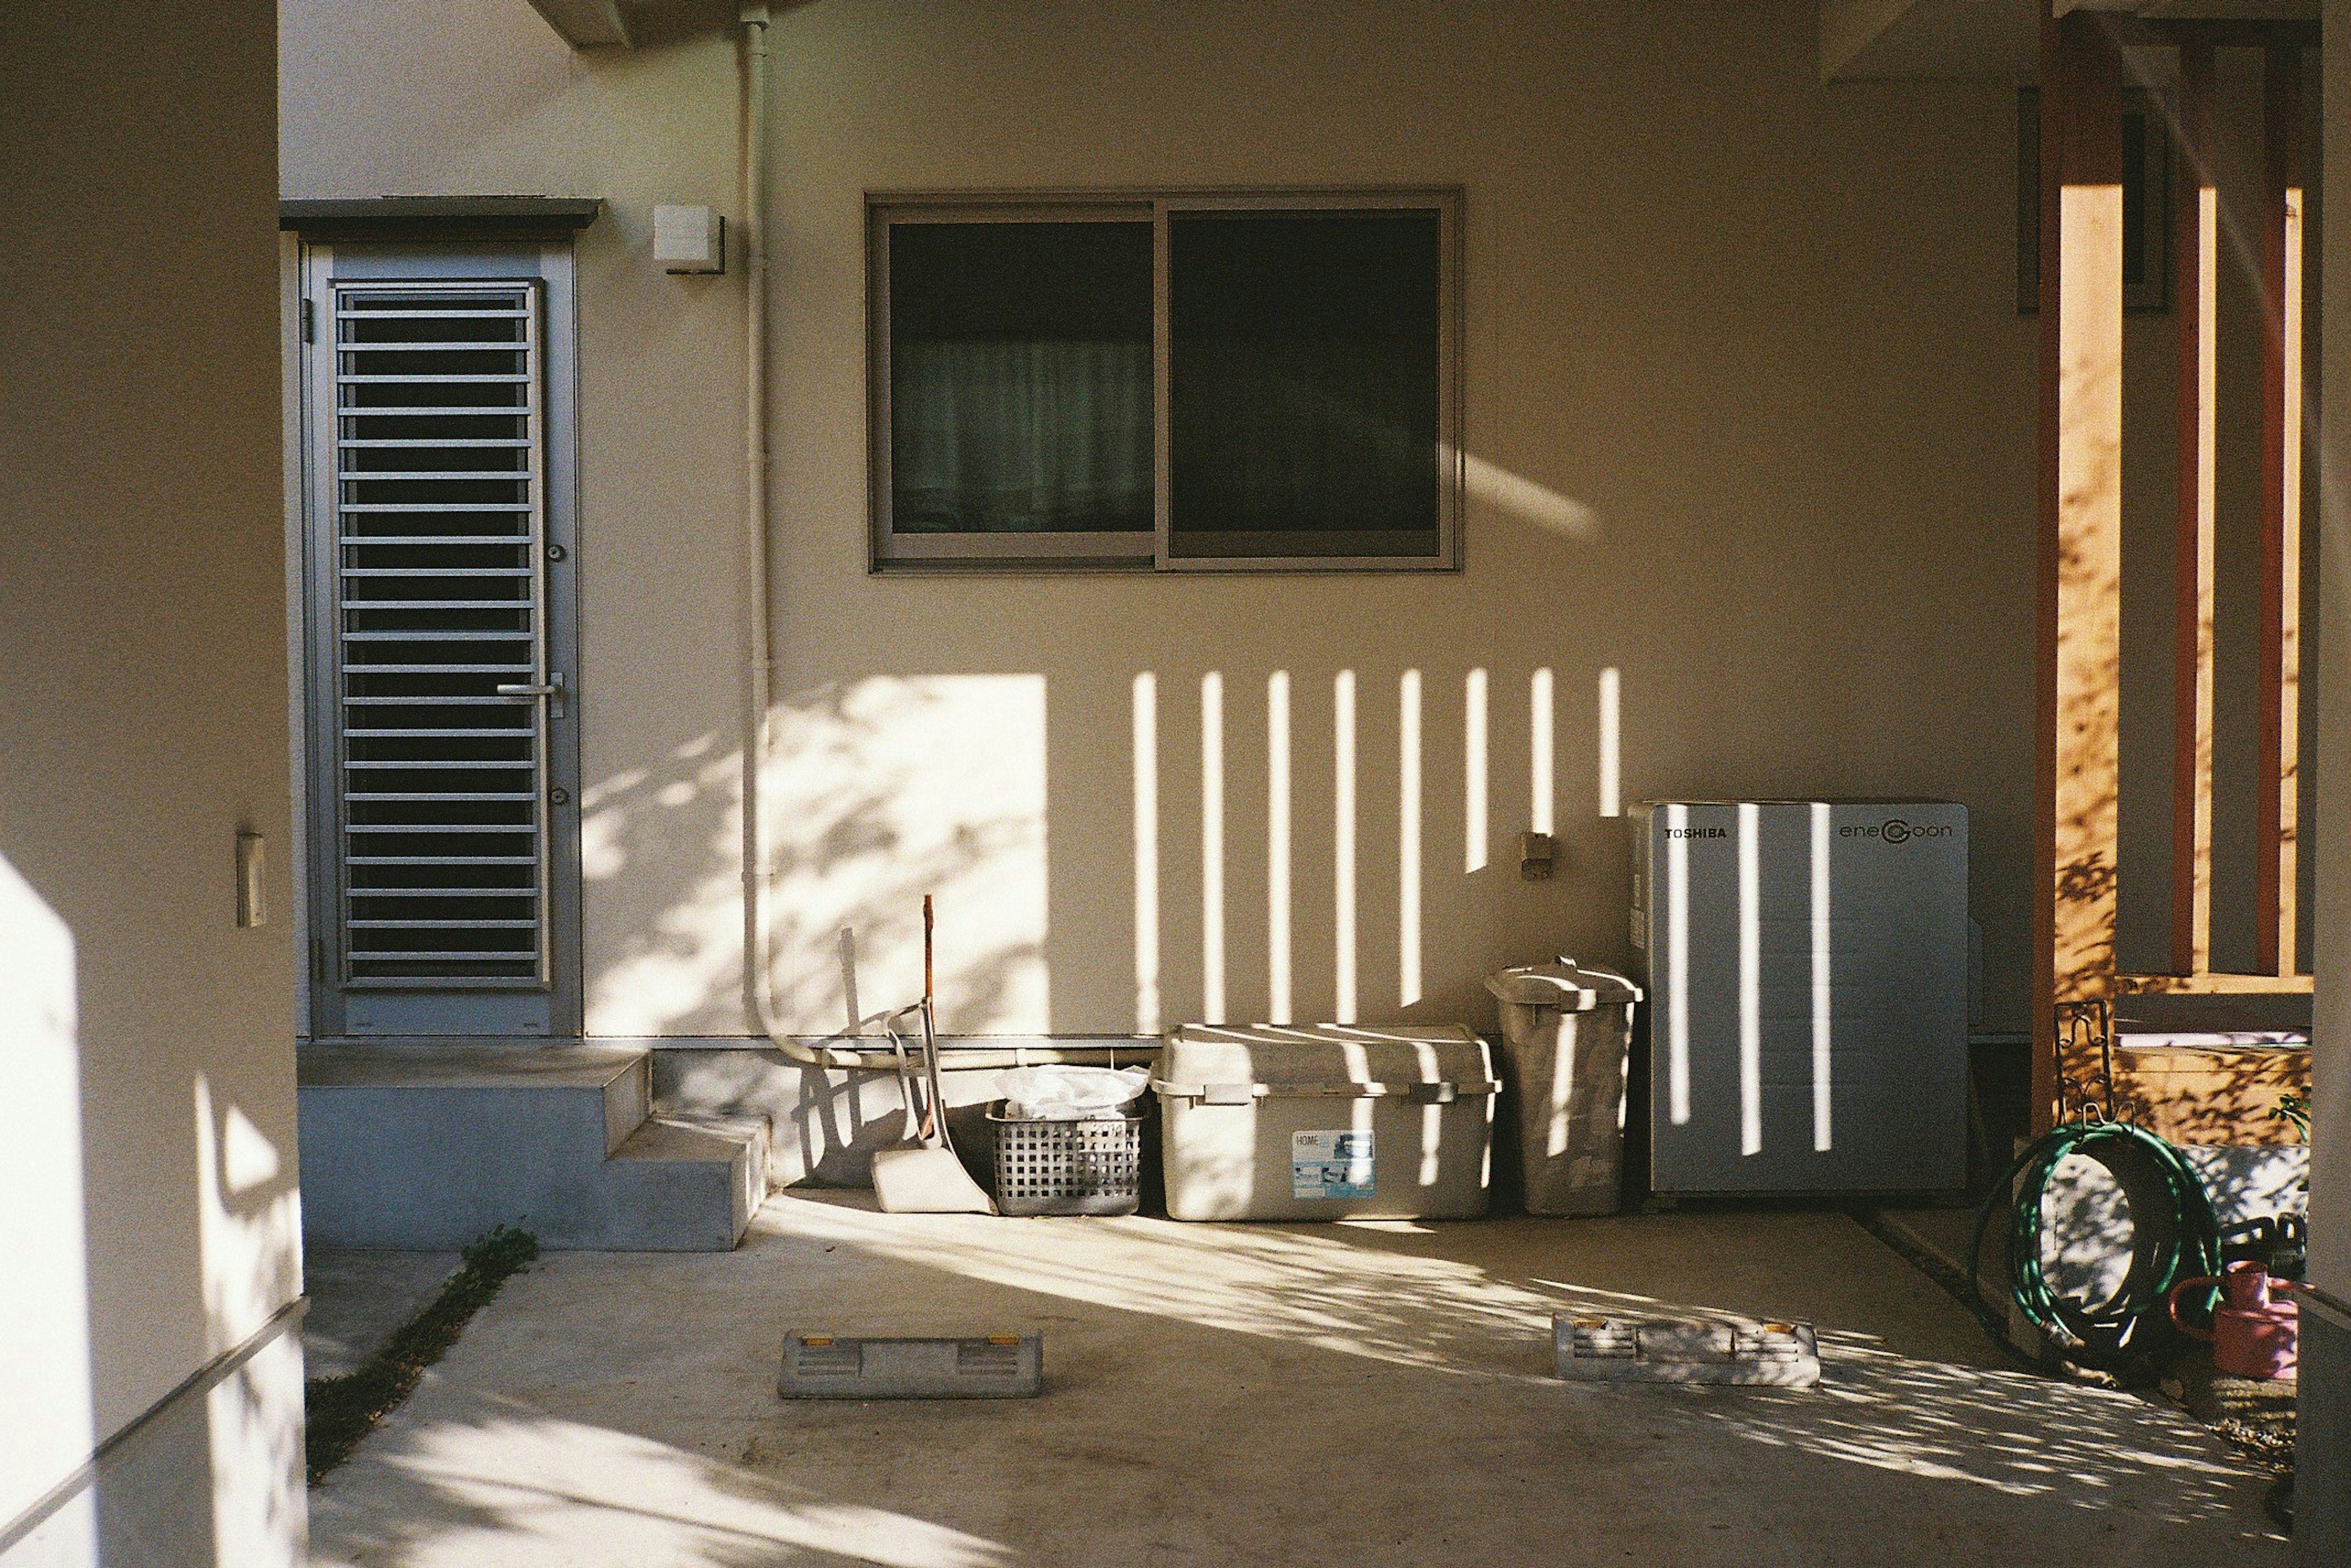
[[758, 655], [758, 651]]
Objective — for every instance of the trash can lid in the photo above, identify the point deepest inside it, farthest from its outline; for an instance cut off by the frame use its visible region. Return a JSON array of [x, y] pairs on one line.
[[1562, 984]]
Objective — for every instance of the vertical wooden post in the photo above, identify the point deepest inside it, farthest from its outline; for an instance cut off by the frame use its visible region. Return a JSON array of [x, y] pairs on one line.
[[2045, 1085], [2275, 933], [2089, 513], [2081, 518], [2196, 273]]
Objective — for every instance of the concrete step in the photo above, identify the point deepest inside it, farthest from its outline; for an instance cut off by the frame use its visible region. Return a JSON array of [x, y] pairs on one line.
[[697, 1180], [429, 1144]]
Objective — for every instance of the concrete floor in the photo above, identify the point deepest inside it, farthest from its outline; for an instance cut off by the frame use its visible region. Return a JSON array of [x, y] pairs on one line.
[[359, 1298], [1357, 1395]]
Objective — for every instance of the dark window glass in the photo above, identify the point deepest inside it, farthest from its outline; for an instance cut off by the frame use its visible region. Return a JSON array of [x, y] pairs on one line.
[[1020, 377], [1303, 395]]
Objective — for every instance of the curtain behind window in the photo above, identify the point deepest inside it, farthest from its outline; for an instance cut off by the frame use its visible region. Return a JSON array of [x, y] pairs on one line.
[[1020, 377], [1016, 437]]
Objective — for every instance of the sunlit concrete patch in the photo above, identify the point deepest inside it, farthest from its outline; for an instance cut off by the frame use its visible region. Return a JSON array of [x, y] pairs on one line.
[[515, 1487], [1608, 724], [1278, 973], [1343, 846], [2087, 1228], [1377, 1393], [1307, 1285], [50, 1427], [873, 794], [2085, 1231], [248, 1221], [2245, 1183], [884, 790], [2012, 1432], [253, 1432], [1473, 772], [1212, 846], [1527, 500], [1146, 851], [661, 853]]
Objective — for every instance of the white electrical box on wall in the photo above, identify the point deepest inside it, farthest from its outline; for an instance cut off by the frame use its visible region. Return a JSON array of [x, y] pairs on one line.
[[1807, 968], [689, 239]]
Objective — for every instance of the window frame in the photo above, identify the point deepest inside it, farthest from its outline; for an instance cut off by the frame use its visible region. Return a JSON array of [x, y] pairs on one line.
[[891, 553]]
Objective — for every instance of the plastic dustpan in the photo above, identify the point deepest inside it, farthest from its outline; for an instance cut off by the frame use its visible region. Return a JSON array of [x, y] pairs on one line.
[[920, 1179]]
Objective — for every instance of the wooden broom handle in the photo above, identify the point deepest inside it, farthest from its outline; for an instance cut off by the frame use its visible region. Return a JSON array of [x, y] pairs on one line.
[[933, 1113]]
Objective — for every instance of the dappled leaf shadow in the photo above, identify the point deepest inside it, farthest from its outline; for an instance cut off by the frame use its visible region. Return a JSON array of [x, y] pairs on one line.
[[1256, 1392], [875, 794]]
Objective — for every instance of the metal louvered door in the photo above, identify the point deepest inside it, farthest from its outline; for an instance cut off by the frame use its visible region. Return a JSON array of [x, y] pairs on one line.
[[447, 757]]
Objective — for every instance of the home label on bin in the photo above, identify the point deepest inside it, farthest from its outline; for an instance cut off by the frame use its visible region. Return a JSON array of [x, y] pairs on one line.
[[1330, 1164]]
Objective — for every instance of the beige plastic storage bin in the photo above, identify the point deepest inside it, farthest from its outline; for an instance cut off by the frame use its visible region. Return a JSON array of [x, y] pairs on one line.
[[1326, 1120]]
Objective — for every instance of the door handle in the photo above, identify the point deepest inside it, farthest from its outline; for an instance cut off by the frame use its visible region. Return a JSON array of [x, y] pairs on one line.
[[552, 690]]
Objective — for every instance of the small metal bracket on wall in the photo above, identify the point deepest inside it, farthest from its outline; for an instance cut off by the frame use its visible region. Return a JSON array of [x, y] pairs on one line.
[[1536, 854]]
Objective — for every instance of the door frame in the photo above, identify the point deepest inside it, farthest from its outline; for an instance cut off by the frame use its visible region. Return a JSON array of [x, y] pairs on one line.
[[551, 1011]]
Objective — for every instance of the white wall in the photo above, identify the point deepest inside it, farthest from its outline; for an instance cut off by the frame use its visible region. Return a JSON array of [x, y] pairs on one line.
[[150, 1223], [1749, 403]]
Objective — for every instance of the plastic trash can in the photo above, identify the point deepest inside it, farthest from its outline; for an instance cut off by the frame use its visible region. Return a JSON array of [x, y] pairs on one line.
[[1567, 1033]]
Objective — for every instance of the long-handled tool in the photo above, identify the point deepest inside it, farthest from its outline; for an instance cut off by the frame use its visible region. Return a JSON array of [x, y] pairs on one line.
[[922, 1175]]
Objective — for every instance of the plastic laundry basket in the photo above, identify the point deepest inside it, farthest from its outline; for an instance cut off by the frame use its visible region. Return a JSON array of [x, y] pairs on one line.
[[1565, 1035], [1092, 1166]]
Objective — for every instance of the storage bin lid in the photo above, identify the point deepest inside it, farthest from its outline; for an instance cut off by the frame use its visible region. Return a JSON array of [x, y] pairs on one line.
[[1562, 984], [1235, 1063]]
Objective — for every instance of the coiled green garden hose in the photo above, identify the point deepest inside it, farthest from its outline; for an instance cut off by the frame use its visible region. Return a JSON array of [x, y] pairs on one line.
[[2175, 1236]]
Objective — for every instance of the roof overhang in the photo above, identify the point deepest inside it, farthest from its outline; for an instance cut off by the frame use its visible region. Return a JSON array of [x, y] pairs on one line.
[[629, 24], [438, 217], [588, 23]]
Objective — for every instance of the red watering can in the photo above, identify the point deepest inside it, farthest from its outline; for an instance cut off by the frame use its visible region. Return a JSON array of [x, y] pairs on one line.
[[2251, 1335]]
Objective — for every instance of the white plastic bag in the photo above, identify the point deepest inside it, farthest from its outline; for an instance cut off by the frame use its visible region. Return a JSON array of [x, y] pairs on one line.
[[1072, 1094]]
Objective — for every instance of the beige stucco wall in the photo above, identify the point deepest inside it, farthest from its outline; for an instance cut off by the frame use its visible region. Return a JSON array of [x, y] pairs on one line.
[[1748, 403], [421, 98], [148, 1164]]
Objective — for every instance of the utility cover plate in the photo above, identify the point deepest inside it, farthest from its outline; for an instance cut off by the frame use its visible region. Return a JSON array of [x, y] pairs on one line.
[[852, 1367], [1595, 1347]]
